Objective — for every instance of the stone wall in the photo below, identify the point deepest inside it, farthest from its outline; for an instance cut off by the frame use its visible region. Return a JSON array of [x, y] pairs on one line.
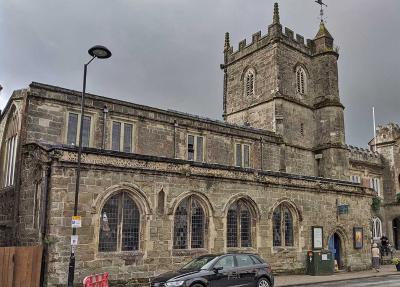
[[156, 132], [312, 201]]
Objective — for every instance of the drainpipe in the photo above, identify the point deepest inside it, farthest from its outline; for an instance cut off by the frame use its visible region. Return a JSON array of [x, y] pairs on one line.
[[261, 151], [175, 126], [103, 140], [45, 223]]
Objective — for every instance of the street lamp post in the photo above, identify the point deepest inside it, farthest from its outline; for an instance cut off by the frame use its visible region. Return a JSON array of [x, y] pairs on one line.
[[100, 52]]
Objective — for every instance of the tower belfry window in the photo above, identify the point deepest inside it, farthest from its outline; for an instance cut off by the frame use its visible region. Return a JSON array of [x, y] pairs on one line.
[[301, 81], [249, 82]]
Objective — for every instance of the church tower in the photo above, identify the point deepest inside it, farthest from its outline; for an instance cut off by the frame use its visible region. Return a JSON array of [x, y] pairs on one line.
[[282, 83]]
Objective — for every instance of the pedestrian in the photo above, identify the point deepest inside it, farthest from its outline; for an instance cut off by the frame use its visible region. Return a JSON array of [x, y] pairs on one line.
[[376, 254], [384, 244]]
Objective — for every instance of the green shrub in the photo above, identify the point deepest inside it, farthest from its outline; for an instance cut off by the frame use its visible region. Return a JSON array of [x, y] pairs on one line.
[[376, 203], [395, 261]]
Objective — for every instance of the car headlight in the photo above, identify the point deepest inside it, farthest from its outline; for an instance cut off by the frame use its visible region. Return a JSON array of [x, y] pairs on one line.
[[174, 283]]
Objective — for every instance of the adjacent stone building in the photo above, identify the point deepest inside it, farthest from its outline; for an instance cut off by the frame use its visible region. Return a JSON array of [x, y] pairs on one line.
[[159, 187]]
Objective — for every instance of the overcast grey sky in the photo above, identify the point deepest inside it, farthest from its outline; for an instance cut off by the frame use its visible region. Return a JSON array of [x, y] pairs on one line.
[[166, 53]]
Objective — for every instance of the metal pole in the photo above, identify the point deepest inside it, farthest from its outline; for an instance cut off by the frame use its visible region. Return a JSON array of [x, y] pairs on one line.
[[71, 269], [373, 115]]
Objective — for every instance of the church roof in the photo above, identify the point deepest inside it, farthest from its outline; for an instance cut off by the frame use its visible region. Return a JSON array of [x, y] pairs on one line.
[[323, 32]]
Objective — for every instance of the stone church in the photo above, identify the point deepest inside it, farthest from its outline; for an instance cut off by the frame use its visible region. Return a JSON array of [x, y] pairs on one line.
[[159, 187]]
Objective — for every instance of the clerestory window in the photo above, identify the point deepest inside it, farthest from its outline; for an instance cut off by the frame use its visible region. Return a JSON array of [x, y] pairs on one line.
[[249, 82], [195, 148], [242, 155], [282, 221], [122, 136], [73, 129], [119, 224], [301, 81], [189, 224]]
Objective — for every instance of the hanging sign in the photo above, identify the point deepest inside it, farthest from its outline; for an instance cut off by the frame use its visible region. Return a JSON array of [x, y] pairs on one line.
[[76, 222]]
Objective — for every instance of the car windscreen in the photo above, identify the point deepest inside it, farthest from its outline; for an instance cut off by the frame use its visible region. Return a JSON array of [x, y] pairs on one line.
[[198, 263]]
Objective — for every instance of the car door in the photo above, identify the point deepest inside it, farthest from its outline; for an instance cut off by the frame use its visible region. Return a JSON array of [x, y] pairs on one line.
[[246, 270], [227, 276]]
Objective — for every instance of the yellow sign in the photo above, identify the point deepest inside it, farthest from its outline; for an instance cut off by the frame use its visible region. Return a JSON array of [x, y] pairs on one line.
[[76, 222]]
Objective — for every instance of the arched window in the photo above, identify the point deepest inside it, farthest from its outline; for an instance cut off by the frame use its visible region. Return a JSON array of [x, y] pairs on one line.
[[282, 221], [249, 80], [301, 81], [376, 228], [239, 225], [119, 224], [189, 224], [9, 149]]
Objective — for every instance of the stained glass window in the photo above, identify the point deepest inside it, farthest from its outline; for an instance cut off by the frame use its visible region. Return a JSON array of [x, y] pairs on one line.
[[189, 224], [119, 224], [282, 221], [239, 225]]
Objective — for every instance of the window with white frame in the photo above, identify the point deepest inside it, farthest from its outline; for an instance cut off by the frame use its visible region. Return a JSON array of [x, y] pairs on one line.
[[122, 136], [249, 81], [301, 80], [355, 179], [73, 129], [242, 155], [376, 228], [9, 149], [195, 148], [375, 185]]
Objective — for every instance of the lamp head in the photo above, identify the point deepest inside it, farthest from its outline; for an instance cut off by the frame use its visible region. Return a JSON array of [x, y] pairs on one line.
[[100, 52]]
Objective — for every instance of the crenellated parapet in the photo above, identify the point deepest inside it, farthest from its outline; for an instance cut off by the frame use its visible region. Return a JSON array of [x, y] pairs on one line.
[[260, 41], [362, 155], [321, 44]]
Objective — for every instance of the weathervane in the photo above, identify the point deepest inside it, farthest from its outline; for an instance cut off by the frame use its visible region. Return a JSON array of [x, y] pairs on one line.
[[322, 8]]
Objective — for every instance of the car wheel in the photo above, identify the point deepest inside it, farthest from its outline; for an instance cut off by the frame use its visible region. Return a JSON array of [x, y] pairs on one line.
[[197, 285], [263, 283]]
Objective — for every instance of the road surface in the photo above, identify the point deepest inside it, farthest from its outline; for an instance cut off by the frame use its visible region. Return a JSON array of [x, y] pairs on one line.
[[387, 281]]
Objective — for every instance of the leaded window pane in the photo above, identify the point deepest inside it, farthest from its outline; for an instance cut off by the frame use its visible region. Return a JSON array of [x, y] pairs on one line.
[[116, 136], [130, 226], [119, 224], [199, 152], [189, 224], [72, 129], [232, 227], [238, 155], [181, 225], [245, 227], [288, 228], [190, 147], [276, 222], [128, 137], [239, 225], [86, 131], [109, 225], [197, 225]]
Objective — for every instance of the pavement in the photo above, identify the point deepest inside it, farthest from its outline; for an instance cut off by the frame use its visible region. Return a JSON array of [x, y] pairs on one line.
[[386, 271]]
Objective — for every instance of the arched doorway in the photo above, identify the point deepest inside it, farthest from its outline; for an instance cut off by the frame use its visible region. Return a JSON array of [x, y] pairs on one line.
[[336, 247], [396, 233]]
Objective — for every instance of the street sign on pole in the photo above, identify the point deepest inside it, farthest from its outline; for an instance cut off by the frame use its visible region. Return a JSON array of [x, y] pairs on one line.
[[76, 222]]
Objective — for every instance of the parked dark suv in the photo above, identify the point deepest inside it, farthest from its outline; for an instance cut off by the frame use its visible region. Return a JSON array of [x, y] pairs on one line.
[[239, 269]]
